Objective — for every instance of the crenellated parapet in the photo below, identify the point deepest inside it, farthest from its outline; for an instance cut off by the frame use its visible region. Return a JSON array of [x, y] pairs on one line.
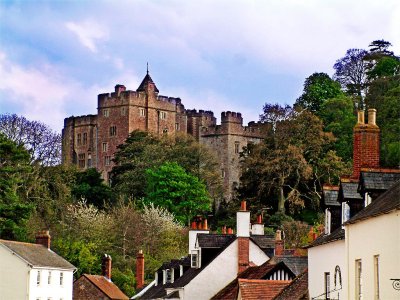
[[231, 117]]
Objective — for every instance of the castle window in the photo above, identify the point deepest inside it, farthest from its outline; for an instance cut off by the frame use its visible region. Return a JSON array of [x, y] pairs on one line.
[[79, 139], [107, 160], [106, 113], [163, 115], [84, 141], [123, 111], [142, 112], [237, 144], [105, 147], [176, 126], [89, 161], [113, 130], [81, 160]]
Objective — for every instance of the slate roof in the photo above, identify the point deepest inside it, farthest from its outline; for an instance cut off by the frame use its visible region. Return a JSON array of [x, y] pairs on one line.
[[107, 287], [336, 235], [387, 202], [253, 289], [206, 240], [330, 196], [264, 241], [296, 290], [348, 191], [146, 80], [297, 264], [37, 255], [378, 181]]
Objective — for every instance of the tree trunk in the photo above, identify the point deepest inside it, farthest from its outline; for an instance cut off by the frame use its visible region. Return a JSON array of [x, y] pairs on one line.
[[281, 201]]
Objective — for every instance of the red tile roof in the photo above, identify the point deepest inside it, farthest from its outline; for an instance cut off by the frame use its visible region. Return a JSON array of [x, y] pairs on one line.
[[296, 290], [107, 287], [254, 289]]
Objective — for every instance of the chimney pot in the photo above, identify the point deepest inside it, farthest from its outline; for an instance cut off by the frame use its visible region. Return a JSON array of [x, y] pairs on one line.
[[205, 225], [259, 219], [106, 265], [360, 117], [223, 229], [230, 231], [279, 243], [243, 205], [139, 270], [194, 225], [372, 116], [43, 238]]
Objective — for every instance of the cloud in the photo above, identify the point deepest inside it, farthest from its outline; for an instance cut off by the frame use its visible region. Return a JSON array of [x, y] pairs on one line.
[[88, 32]]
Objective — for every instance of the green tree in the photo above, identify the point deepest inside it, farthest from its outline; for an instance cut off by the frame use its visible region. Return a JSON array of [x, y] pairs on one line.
[[318, 88], [14, 171], [181, 193]]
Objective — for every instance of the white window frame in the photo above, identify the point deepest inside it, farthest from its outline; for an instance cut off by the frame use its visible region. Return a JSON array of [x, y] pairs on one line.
[[195, 259], [49, 278], [327, 285], [61, 278], [38, 277], [376, 277], [163, 115], [237, 147], [106, 112], [105, 147], [358, 279], [142, 112]]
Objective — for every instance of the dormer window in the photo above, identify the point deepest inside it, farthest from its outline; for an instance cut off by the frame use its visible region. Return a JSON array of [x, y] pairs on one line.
[[195, 259], [327, 221], [345, 212], [38, 278]]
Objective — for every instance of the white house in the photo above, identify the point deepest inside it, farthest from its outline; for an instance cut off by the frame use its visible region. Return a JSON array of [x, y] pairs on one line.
[[372, 248], [33, 271], [214, 261]]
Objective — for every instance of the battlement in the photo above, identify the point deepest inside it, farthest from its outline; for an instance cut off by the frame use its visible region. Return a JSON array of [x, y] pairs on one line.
[[80, 121], [231, 117], [172, 100], [200, 113]]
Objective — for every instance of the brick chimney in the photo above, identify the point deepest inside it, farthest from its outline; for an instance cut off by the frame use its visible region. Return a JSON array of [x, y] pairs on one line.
[[243, 234], [139, 270], [106, 264], [258, 227], [279, 243], [365, 143], [198, 225], [43, 238]]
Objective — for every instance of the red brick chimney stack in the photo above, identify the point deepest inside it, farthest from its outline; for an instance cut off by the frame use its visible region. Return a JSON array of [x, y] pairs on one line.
[[243, 234], [139, 270], [259, 219], [43, 238], [279, 243], [365, 143], [106, 264]]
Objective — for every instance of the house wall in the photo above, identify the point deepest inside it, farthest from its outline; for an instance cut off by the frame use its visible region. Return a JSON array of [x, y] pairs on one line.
[[14, 274], [53, 290], [211, 279], [325, 258], [365, 239]]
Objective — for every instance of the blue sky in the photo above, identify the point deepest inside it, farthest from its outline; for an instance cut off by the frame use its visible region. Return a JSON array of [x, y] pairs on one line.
[[56, 56]]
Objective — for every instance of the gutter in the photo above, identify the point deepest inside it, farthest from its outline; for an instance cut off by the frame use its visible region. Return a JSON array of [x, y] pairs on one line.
[[150, 285]]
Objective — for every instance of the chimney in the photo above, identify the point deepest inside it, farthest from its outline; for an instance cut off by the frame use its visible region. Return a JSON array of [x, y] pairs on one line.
[[106, 263], [198, 225], [43, 238], [258, 227], [139, 270], [230, 230], [365, 143], [279, 243], [243, 234], [223, 229]]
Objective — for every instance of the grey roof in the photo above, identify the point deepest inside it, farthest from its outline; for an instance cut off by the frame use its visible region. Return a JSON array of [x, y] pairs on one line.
[[296, 264], [264, 241], [330, 197], [348, 191], [37, 255], [377, 180], [336, 235], [206, 240], [387, 202], [146, 80]]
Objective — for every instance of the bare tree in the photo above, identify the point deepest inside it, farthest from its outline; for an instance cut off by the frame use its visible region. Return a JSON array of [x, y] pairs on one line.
[[43, 144]]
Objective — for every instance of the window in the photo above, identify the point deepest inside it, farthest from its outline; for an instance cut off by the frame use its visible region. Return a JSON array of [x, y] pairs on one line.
[[376, 276], [49, 278], [38, 278], [327, 277], [105, 147], [177, 126], [61, 278], [358, 278], [168, 272], [113, 130], [107, 160], [81, 160], [163, 115], [89, 161], [142, 112], [237, 144], [84, 141], [327, 221], [123, 111], [79, 139], [106, 113], [345, 212], [195, 259]]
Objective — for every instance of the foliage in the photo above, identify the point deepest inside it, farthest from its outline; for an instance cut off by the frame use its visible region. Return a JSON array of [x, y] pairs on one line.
[[14, 170], [125, 280], [90, 187], [43, 144], [296, 233], [318, 88]]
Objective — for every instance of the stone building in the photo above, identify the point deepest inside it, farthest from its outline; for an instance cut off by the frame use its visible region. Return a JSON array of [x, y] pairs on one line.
[[91, 140]]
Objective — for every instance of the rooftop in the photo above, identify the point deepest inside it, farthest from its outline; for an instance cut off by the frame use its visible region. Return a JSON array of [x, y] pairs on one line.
[[106, 286], [253, 289], [336, 235]]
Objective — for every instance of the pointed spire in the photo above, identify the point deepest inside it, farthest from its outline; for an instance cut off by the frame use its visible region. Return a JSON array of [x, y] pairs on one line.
[[146, 81], [147, 68]]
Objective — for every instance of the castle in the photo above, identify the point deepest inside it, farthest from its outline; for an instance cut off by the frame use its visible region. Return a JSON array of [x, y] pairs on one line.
[[90, 141]]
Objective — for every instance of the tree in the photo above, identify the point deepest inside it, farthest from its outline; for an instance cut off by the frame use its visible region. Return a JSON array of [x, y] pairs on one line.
[[14, 169], [181, 193], [350, 71], [43, 144], [318, 88]]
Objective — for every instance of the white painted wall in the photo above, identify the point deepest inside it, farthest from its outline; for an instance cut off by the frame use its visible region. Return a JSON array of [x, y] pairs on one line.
[[13, 276], [325, 258], [243, 224], [222, 270], [193, 238], [54, 290], [375, 236]]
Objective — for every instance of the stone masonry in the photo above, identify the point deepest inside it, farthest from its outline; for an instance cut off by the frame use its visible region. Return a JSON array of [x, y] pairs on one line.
[[91, 140]]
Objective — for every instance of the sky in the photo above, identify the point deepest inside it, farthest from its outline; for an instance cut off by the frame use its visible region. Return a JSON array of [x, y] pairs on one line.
[[57, 56]]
